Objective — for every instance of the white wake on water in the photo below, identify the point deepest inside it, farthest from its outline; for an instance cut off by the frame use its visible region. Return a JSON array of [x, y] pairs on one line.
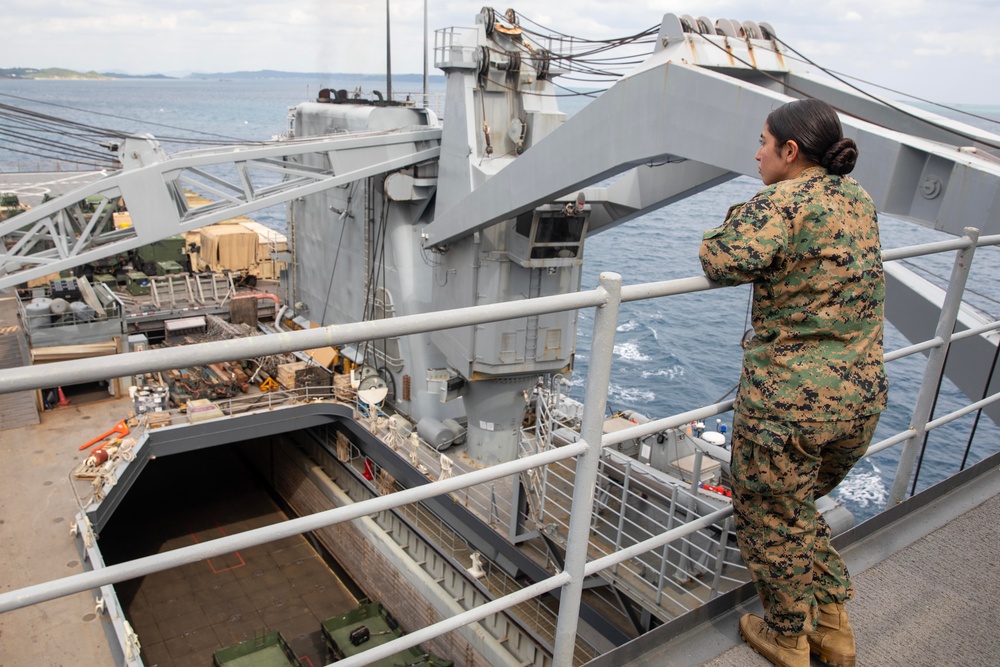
[[630, 395], [630, 352], [671, 373], [863, 487]]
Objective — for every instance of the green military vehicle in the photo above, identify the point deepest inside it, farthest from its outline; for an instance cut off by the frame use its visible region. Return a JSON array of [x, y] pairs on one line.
[[10, 205]]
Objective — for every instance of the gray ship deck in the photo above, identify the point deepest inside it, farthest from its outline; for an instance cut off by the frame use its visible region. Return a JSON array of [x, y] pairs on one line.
[[927, 592], [927, 586]]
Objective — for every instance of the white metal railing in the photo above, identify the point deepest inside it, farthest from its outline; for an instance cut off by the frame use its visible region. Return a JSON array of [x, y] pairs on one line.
[[605, 298]]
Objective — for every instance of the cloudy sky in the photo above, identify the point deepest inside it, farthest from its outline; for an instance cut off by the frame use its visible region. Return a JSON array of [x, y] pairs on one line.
[[944, 51]]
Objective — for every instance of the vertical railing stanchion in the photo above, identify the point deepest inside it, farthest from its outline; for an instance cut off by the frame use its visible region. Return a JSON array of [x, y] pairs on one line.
[[935, 367], [595, 402], [626, 487]]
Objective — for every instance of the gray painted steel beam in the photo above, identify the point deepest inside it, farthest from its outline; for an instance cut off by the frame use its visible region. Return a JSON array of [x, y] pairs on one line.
[[678, 111], [899, 116], [48, 240]]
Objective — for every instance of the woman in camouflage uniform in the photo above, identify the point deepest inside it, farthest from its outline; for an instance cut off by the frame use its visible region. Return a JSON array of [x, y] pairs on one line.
[[813, 381]]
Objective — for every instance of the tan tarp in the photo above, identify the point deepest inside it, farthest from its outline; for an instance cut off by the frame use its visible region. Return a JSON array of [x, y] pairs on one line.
[[268, 237], [44, 355], [228, 247], [262, 266]]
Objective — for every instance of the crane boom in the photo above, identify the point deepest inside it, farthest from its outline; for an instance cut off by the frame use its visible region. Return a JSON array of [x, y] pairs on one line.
[[60, 234], [693, 111]]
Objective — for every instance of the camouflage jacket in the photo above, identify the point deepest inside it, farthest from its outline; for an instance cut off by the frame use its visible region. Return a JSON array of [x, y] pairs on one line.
[[810, 246]]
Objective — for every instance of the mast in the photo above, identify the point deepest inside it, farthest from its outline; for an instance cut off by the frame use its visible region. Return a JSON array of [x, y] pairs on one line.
[[388, 55], [426, 103]]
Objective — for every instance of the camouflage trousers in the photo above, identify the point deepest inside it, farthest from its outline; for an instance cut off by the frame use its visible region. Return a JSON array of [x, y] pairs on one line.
[[779, 469]]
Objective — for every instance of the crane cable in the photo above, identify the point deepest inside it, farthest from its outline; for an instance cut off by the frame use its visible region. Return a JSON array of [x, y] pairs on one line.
[[785, 84]]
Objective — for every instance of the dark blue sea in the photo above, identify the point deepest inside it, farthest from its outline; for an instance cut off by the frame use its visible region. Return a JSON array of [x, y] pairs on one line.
[[671, 355]]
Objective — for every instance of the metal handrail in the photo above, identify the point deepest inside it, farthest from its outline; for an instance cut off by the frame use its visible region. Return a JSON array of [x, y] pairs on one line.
[[606, 298]]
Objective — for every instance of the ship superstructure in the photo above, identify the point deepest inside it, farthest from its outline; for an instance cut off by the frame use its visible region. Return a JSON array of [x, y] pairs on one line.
[[396, 216]]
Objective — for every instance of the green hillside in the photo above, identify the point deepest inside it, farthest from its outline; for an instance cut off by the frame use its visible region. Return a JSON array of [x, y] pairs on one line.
[[62, 73], [48, 73]]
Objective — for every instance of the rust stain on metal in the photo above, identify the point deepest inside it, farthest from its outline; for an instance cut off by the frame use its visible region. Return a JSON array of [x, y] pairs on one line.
[[781, 59], [694, 51]]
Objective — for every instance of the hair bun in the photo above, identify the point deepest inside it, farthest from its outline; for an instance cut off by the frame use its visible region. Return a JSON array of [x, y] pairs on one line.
[[841, 157]]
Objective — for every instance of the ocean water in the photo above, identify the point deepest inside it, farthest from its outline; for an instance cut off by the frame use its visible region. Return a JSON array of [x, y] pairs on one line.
[[671, 355]]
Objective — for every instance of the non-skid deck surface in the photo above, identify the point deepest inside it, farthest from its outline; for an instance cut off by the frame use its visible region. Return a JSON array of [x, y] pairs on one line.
[[927, 590]]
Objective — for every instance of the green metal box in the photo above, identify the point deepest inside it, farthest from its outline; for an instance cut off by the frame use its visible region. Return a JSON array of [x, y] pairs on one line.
[[168, 267], [137, 283]]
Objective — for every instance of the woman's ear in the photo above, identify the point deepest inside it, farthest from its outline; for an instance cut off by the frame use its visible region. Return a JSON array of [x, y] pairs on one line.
[[790, 151]]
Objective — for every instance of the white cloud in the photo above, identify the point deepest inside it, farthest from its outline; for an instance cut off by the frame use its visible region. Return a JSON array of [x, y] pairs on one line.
[[940, 51], [862, 37]]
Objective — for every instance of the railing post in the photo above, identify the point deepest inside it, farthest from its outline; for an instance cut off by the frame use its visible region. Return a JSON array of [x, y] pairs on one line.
[[595, 402], [626, 484], [934, 368]]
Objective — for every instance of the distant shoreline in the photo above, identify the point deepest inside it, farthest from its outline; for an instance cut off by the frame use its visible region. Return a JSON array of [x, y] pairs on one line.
[[61, 74]]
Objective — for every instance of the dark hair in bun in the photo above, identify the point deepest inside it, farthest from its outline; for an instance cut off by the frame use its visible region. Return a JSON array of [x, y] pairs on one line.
[[815, 127], [841, 157]]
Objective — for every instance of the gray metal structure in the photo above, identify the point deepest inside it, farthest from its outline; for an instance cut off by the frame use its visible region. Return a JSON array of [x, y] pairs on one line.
[[605, 298], [393, 213]]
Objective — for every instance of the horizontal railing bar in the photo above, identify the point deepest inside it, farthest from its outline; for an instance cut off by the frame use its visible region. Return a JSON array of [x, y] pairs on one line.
[[976, 331], [671, 535], [993, 239], [889, 442], [910, 432], [935, 247], [429, 632], [659, 425], [937, 341], [929, 344], [158, 562], [667, 288], [961, 412], [199, 354]]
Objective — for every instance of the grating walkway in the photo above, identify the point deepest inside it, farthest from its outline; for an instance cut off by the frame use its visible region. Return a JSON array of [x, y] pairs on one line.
[[928, 592]]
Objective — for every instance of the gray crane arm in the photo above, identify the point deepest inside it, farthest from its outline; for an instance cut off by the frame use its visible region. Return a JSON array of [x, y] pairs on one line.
[[60, 234], [690, 117]]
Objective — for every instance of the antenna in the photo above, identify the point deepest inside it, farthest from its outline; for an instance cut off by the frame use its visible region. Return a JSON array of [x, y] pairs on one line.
[[388, 55], [426, 103]]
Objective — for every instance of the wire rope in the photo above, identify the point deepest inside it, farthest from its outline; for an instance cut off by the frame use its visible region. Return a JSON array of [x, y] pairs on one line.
[[134, 120], [909, 114]]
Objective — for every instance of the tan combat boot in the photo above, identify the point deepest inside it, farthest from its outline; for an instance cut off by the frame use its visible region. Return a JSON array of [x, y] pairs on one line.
[[833, 641], [781, 650]]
